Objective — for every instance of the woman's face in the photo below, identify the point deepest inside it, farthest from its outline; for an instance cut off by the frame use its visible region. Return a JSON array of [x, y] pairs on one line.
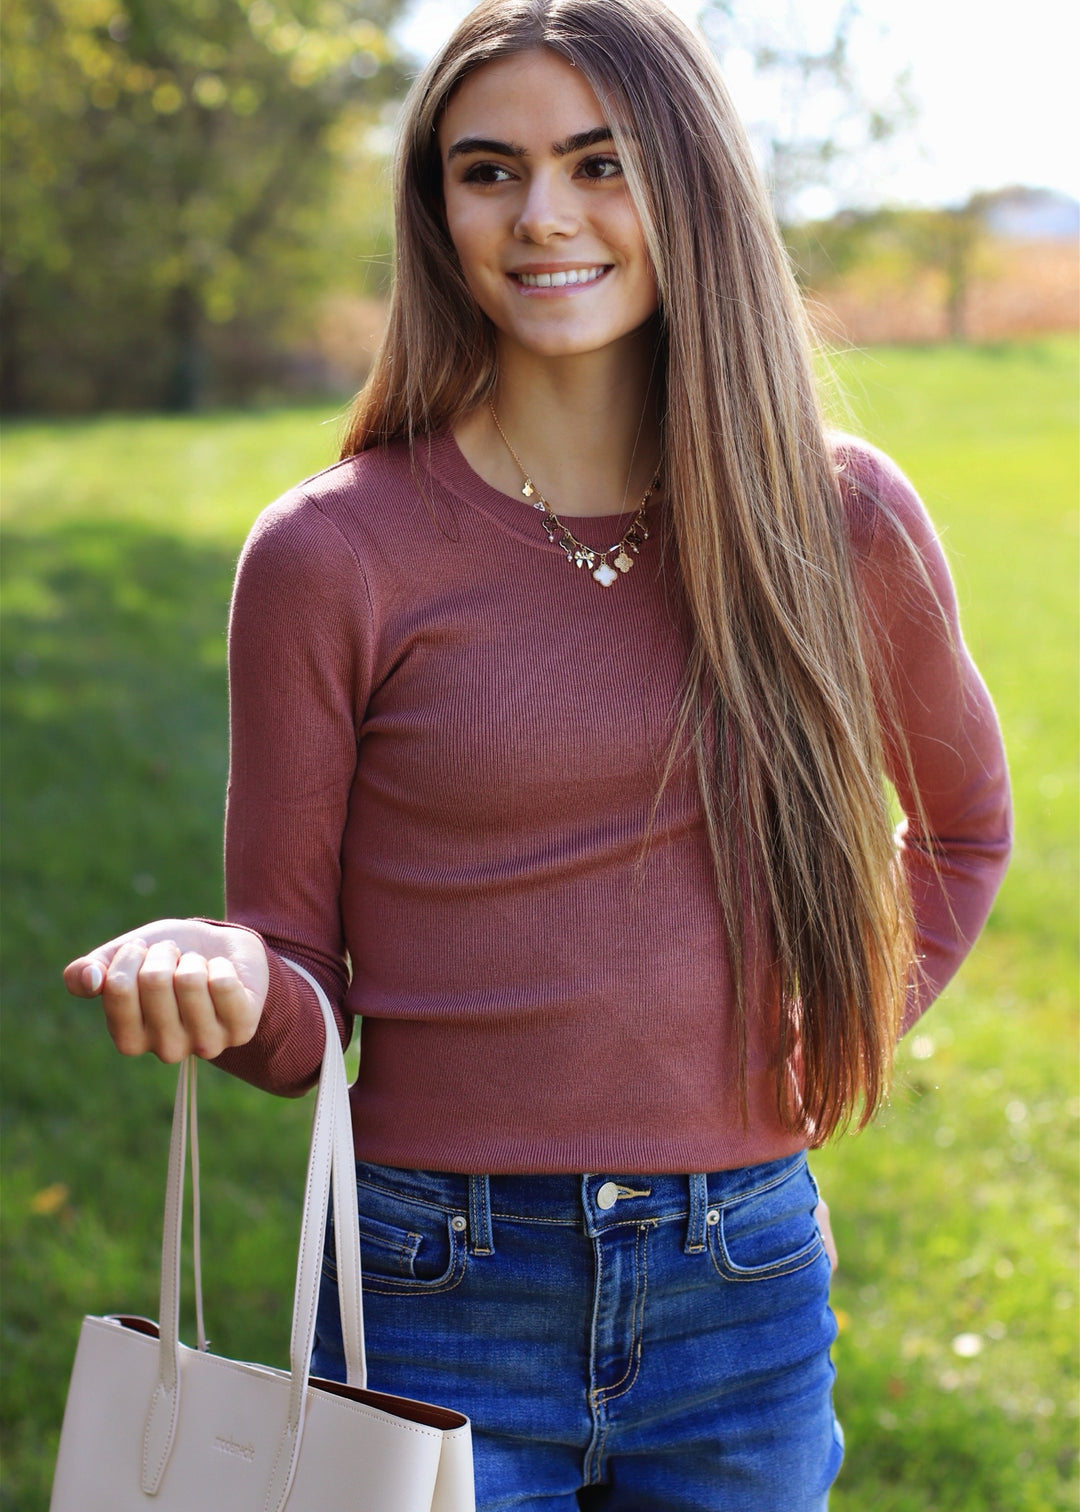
[[539, 211]]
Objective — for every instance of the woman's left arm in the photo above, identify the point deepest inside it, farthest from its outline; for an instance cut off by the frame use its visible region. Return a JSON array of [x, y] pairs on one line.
[[948, 767]]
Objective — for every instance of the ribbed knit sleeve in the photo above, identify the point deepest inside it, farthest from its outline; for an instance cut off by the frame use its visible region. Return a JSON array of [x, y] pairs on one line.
[[300, 639], [956, 851]]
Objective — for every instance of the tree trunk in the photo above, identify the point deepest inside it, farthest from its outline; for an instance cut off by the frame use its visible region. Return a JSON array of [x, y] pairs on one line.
[[186, 372], [961, 240], [11, 386]]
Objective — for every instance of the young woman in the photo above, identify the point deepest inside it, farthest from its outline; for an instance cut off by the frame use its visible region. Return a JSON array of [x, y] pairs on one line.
[[561, 713]]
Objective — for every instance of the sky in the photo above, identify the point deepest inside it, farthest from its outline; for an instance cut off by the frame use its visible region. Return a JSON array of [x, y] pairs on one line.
[[995, 89]]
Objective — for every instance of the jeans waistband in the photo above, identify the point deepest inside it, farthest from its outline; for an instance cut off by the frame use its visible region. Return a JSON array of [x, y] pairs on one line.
[[593, 1202]]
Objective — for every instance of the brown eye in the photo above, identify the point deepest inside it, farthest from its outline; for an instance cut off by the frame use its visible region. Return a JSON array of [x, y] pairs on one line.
[[600, 168], [487, 173]]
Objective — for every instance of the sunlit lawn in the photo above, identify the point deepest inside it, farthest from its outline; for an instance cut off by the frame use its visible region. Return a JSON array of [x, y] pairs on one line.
[[955, 1214]]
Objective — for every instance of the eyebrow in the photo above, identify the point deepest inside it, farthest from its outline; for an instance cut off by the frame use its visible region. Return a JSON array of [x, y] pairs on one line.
[[575, 143]]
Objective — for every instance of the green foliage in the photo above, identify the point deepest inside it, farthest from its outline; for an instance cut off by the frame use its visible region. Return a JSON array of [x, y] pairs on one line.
[[891, 247], [954, 1213], [163, 163]]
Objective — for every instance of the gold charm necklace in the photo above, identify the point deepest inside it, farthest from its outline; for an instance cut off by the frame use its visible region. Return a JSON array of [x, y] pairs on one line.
[[577, 553]]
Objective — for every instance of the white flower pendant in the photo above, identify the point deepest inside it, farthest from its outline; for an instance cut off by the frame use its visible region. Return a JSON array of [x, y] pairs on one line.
[[605, 575]]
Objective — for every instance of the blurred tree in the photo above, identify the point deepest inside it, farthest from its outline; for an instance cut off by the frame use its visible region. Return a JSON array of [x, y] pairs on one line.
[[952, 241], [817, 110], [163, 166], [894, 248]]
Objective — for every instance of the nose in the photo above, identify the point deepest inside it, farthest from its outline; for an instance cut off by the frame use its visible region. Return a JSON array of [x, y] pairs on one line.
[[547, 211]]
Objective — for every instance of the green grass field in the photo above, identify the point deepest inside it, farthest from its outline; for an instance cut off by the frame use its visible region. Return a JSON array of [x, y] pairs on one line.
[[955, 1214]]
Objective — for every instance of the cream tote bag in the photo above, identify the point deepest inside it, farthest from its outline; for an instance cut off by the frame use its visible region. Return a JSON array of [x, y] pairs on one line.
[[151, 1424]]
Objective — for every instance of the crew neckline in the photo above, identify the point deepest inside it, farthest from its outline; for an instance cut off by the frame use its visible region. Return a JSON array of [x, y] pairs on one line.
[[448, 463]]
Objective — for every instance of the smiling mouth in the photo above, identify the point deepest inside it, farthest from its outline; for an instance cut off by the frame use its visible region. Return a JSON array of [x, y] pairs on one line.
[[564, 278]]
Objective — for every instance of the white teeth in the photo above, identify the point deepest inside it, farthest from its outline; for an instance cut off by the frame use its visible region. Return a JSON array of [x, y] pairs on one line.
[[559, 280]]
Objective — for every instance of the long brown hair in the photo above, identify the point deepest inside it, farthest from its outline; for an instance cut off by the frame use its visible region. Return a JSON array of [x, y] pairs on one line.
[[779, 711]]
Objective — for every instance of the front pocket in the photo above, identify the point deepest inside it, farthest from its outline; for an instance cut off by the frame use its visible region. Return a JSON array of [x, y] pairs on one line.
[[386, 1250], [770, 1232], [405, 1246]]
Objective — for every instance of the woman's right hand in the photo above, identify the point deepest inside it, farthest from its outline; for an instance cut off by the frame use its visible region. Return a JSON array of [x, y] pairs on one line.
[[176, 987]]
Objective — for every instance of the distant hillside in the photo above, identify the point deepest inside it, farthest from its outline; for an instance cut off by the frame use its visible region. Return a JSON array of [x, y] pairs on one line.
[[1023, 214]]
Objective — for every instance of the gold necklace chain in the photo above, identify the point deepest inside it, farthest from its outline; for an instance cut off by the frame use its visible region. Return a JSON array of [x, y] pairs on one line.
[[577, 553]]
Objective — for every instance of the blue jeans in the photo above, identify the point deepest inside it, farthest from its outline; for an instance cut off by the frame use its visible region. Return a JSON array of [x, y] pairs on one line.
[[625, 1343]]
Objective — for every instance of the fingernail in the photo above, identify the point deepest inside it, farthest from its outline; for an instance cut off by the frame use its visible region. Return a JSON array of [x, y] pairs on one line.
[[95, 976]]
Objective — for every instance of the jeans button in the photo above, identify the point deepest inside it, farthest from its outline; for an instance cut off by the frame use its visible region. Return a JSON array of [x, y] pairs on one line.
[[607, 1196]]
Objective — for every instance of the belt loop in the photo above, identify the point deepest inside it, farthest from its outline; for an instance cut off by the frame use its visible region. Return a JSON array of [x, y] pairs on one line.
[[699, 1202], [480, 1216]]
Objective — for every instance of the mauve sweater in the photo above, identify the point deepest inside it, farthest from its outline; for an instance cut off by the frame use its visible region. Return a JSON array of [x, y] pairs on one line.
[[446, 745]]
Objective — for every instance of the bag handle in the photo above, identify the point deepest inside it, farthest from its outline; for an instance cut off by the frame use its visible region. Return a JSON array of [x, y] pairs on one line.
[[330, 1159]]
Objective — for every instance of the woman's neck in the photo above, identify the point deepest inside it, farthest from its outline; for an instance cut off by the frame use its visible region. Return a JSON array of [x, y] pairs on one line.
[[585, 429]]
